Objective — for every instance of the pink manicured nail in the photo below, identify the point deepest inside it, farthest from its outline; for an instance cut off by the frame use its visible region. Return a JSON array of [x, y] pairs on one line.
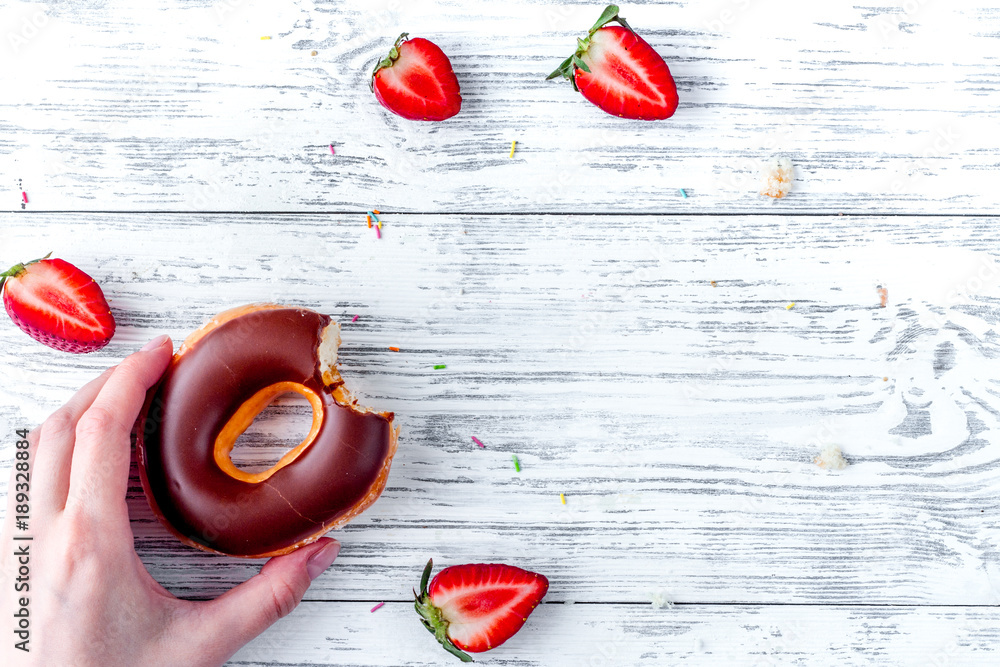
[[155, 343], [322, 559]]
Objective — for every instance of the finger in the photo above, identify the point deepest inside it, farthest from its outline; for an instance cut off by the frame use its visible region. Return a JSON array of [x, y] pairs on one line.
[[51, 464], [99, 470], [239, 615]]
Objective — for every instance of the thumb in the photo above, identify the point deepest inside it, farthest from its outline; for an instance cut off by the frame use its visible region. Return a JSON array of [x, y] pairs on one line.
[[237, 616]]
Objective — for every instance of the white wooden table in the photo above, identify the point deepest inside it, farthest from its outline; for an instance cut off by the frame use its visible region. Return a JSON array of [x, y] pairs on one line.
[[634, 348]]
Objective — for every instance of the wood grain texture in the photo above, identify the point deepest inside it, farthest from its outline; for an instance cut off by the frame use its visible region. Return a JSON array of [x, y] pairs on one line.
[[112, 105], [678, 417], [611, 635], [672, 365]]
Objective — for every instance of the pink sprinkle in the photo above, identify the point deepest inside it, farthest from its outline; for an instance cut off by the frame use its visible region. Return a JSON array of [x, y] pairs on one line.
[[477, 441], [378, 230], [377, 607], [355, 318], [25, 195], [332, 152]]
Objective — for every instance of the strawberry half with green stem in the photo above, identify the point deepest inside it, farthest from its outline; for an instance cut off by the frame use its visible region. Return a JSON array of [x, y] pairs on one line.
[[620, 72], [416, 81], [57, 304], [477, 607]]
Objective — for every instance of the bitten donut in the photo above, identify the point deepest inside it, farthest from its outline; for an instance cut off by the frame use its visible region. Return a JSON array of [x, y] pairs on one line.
[[221, 378]]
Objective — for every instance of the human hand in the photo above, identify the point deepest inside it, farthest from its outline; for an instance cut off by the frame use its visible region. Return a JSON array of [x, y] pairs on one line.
[[90, 599]]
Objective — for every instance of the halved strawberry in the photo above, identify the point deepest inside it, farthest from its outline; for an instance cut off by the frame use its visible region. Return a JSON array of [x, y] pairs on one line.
[[477, 607], [57, 304], [416, 81], [618, 71]]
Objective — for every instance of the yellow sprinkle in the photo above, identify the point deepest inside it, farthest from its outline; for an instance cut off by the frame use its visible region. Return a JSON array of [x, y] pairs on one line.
[[266, 37], [790, 306], [562, 497], [512, 145]]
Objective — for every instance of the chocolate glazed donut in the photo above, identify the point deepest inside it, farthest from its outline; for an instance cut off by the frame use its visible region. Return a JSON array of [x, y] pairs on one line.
[[222, 377]]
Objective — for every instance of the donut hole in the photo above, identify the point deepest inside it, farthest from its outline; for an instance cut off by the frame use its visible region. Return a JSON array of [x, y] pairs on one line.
[[275, 431]]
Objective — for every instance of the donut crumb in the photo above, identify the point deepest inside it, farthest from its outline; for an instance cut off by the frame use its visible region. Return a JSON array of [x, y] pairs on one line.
[[776, 178], [327, 352], [831, 458]]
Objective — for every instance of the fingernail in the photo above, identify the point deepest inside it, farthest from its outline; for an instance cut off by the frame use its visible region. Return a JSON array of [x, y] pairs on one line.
[[322, 559], [155, 343]]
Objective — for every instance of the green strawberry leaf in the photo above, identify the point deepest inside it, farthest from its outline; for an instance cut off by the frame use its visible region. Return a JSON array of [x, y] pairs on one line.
[[610, 14], [388, 60]]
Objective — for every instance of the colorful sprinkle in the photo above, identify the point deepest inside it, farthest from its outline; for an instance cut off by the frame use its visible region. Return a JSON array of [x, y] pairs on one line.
[[355, 318], [25, 196], [439, 367], [377, 607], [266, 37], [790, 306], [369, 219], [478, 442], [513, 144], [380, 224], [378, 230], [393, 349], [332, 152], [883, 294], [517, 464], [376, 211], [562, 497], [684, 194]]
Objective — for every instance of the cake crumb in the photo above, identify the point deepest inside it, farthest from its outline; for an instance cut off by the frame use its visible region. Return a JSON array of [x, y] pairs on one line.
[[776, 178], [831, 458], [883, 295], [659, 599]]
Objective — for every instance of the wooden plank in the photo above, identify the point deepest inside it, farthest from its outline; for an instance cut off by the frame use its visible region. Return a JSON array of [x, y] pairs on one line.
[[157, 106], [679, 418], [603, 635]]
